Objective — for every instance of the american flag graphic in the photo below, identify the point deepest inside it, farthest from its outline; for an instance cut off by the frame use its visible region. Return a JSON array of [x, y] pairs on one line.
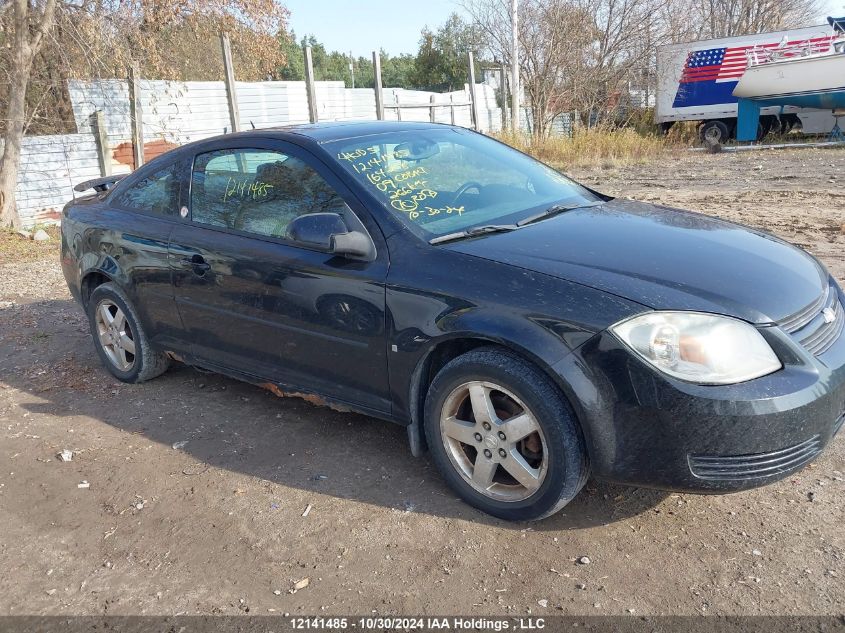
[[710, 75], [719, 64]]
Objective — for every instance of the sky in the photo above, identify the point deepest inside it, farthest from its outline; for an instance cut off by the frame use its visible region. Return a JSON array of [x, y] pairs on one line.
[[394, 25], [836, 8], [368, 25]]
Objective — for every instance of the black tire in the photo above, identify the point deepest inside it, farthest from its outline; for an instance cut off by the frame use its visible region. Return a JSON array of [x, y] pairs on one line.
[[567, 466], [771, 126], [790, 122], [715, 132], [147, 363]]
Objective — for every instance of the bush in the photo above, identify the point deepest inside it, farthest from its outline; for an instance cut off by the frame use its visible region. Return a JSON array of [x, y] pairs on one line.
[[590, 147]]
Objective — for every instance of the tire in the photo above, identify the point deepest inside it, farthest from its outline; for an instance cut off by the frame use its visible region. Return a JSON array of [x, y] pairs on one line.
[[121, 343], [715, 132], [532, 474], [769, 125], [790, 122]]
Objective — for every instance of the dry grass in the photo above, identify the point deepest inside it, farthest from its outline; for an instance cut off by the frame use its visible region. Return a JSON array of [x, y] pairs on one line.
[[14, 248], [595, 147]]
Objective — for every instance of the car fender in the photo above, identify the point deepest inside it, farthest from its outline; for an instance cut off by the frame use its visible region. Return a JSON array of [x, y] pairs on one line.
[[538, 344], [100, 264]]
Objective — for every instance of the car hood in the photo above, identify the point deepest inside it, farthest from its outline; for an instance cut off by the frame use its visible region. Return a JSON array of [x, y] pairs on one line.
[[663, 258]]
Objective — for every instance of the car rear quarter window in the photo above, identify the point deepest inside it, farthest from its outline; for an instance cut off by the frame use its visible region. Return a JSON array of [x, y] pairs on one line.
[[157, 193], [256, 191]]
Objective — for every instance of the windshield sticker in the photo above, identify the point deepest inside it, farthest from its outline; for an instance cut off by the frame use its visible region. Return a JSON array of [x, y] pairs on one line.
[[403, 187]]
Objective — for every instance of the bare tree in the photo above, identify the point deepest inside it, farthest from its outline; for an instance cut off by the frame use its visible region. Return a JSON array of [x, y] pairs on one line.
[[626, 34], [550, 36], [574, 54], [554, 38], [583, 54], [31, 21], [726, 18]]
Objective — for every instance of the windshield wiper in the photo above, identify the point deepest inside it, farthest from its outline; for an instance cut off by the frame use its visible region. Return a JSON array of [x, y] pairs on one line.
[[554, 210], [476, 230]]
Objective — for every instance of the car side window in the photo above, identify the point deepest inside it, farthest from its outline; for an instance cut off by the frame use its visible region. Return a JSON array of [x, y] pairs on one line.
[[157, 193], [257, 191]]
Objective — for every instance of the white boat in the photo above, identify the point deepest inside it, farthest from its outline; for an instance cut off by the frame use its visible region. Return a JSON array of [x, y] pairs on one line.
[[810, 74]]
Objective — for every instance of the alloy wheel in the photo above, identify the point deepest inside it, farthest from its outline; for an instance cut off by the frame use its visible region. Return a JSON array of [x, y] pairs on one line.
[[115, 335], [494, 441]]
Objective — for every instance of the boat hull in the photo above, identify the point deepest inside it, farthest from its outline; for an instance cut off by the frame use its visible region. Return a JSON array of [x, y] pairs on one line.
[[814, 82]]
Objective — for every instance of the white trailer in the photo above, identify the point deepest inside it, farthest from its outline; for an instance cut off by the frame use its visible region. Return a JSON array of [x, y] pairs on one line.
[[695, 82]]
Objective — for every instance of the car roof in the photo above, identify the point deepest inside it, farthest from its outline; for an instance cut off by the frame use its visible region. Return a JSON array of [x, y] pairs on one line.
[[337, 130], [325, 132]]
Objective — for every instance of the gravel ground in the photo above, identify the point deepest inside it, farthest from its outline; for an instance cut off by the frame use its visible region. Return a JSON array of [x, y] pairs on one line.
[[198, 484]]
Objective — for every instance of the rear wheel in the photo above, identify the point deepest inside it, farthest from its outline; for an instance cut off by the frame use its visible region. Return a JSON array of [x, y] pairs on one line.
[[503, 436], [119, 339], [769, 125], [790, 122], [715, 132]]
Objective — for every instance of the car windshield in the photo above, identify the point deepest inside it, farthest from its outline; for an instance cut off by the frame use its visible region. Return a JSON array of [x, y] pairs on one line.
[[443, 181]]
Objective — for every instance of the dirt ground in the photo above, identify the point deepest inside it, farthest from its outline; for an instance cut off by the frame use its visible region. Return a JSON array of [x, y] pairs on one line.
[[198, 484]]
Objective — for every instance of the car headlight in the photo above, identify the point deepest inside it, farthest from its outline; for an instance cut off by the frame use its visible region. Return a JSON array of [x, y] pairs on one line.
[[701, 348]]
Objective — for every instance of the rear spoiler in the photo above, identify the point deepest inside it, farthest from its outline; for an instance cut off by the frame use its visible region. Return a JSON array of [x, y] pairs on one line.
[[99, 184]]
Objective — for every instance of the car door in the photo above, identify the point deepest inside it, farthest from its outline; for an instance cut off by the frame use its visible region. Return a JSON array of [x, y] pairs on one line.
[[258, 303], [143, 212]]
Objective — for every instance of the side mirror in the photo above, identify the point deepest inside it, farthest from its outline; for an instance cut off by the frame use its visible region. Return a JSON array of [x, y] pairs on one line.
[[353, 244], [328, 232], [316, 229]]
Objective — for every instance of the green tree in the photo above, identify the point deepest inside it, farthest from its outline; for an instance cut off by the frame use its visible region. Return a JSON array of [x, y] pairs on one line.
[[334, 66], [441, 63], [328, 66], [397, 72], [294, 66]]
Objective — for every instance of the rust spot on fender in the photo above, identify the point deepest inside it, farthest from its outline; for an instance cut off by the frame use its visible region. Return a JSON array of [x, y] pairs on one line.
[[123, 153], [311, 398]]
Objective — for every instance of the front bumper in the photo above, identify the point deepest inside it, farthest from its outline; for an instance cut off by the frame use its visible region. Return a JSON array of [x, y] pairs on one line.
[[645, 429]]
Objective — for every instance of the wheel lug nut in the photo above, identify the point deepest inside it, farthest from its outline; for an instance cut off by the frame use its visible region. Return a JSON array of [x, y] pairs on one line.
[[502, 452], [486, 426], [502, 436], [487, 453], [477, 437]]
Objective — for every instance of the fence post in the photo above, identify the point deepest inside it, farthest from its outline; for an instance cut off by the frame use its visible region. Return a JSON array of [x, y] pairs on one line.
[[431, 113], [310, 89], [398, 106], [98, 128], [377, 86], [515, 118], [503, 93], [452, 107], [472, 106], [229, 77], [136, 115]]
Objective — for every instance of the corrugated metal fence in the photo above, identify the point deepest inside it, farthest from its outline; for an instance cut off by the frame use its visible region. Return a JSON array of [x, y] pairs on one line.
[[50, 166]]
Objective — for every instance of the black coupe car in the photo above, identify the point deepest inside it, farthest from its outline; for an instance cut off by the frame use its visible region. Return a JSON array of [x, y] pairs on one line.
[[529, 331]]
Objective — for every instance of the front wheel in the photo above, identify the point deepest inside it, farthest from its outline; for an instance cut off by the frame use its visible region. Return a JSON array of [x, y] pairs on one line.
[[503, 436]]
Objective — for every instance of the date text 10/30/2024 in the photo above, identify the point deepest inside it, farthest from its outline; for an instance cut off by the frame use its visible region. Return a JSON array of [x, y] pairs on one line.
[[422, 623]]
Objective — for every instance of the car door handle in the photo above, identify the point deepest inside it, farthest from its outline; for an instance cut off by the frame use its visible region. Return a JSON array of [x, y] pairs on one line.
[[196, 262]]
